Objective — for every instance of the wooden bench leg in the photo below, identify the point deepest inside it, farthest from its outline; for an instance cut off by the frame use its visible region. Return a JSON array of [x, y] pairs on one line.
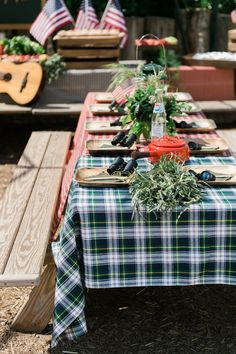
[[36, 313]]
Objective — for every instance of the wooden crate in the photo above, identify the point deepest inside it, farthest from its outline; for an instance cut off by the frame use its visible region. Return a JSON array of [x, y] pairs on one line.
[[232, 40], [90, 53], [88, 64], [88, 41], [90, 49]]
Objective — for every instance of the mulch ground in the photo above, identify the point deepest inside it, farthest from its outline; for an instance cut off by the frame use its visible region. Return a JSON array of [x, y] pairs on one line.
[[171, 320]]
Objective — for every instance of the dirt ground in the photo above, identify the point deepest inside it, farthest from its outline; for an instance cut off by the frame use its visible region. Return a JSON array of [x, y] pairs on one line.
[[168, 320]]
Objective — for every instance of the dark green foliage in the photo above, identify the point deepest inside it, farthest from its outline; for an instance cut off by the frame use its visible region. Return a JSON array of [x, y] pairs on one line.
[[21, 45], [53, 66], [171, 60], [166, 186], [140, 108]]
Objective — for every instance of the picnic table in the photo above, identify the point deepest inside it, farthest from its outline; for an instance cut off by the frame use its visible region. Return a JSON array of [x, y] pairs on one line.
[[103, 243]]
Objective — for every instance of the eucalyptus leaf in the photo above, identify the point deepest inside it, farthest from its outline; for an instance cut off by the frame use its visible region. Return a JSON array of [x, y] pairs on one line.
[[166, 186]]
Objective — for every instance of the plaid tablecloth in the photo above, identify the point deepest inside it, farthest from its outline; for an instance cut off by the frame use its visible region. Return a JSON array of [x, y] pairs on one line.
[[103, 244], [79, 144]]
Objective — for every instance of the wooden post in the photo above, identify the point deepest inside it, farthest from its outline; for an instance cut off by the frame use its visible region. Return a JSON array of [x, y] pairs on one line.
[[213, 25], [178, 18], [135, 27], [36, 313]]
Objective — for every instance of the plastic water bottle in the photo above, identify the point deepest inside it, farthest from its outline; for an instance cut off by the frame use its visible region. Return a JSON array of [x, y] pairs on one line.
[[158, 117]]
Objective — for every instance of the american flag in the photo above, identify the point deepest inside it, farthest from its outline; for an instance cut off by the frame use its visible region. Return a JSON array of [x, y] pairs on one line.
[[87, 18], [114, 18], [53, 16], [233, 16], [126, 88]]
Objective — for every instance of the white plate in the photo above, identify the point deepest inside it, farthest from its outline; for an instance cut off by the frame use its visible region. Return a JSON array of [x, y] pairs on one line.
[[181, 96], [103, 127], [105, 147], [102, 109], [217, 169], [194, 108], [104, 97], [203, 125]]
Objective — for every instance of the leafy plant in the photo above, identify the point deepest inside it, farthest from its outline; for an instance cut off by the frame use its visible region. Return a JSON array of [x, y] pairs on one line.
[[140, 108], [166, 186], [53, 66], [173, 109], [20, 45], [171, 59], [202, 4], [122, 73]]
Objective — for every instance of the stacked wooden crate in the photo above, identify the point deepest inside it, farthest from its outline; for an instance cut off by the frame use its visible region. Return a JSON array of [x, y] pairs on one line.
[[232, 40], [88, 49]]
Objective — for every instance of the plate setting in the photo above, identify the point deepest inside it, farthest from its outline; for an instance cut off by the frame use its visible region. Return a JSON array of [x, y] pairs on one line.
[[104, 97], [104, 147], [221, 175], [104, 127], [99, 177], [103, 109], [202, 146], [199, 125]]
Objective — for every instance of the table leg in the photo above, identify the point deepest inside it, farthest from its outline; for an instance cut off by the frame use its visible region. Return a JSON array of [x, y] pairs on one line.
[[36, 313]]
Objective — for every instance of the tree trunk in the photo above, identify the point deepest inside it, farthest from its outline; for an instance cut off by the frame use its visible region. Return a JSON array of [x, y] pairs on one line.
[[197, 29]]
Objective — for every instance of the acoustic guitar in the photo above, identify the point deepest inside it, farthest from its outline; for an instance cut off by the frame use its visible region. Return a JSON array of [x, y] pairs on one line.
[[21, 82]]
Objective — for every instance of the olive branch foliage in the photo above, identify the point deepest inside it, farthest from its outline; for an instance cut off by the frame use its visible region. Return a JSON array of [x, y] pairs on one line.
[[166, 186]]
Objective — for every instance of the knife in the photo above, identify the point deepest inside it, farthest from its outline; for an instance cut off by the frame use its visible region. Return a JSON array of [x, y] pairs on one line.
[[209, 147], [107, 178]]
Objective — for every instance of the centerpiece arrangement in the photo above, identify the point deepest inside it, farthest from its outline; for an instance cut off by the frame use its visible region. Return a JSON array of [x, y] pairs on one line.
[[139, 106], [147, 113]]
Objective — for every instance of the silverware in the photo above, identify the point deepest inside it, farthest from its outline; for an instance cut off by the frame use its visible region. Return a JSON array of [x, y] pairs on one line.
[[224, 176], [107, 179], [113, 147], [209, 147]]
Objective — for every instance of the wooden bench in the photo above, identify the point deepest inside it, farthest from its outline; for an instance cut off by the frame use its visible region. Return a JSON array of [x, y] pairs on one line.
[[217, 106], [48, 109], [26, 218], [229, 135]]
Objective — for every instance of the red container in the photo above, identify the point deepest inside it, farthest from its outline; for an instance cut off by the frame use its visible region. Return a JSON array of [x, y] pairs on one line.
[[168, 145]]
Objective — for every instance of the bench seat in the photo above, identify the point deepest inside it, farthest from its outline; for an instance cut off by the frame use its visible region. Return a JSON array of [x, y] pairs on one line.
[[229, 135], [28, 208]]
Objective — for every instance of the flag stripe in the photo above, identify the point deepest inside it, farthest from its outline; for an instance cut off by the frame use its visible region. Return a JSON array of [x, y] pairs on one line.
[[114, 18], [53, 16], [87, 18]]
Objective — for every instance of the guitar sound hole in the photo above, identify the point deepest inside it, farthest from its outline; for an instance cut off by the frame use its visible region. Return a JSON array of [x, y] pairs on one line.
[[7, 77]]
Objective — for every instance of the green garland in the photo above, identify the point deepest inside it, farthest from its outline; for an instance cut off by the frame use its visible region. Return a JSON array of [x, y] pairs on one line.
[[167, 185]]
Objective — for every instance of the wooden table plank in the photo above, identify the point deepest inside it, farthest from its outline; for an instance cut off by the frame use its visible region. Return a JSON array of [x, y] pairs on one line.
[[231, 104], [30, 246], [92, 53], [89, 64], [16, 197], [37, 311], [57, 109], [214, 106], [7, 108], [229, 135], [19, 279]]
